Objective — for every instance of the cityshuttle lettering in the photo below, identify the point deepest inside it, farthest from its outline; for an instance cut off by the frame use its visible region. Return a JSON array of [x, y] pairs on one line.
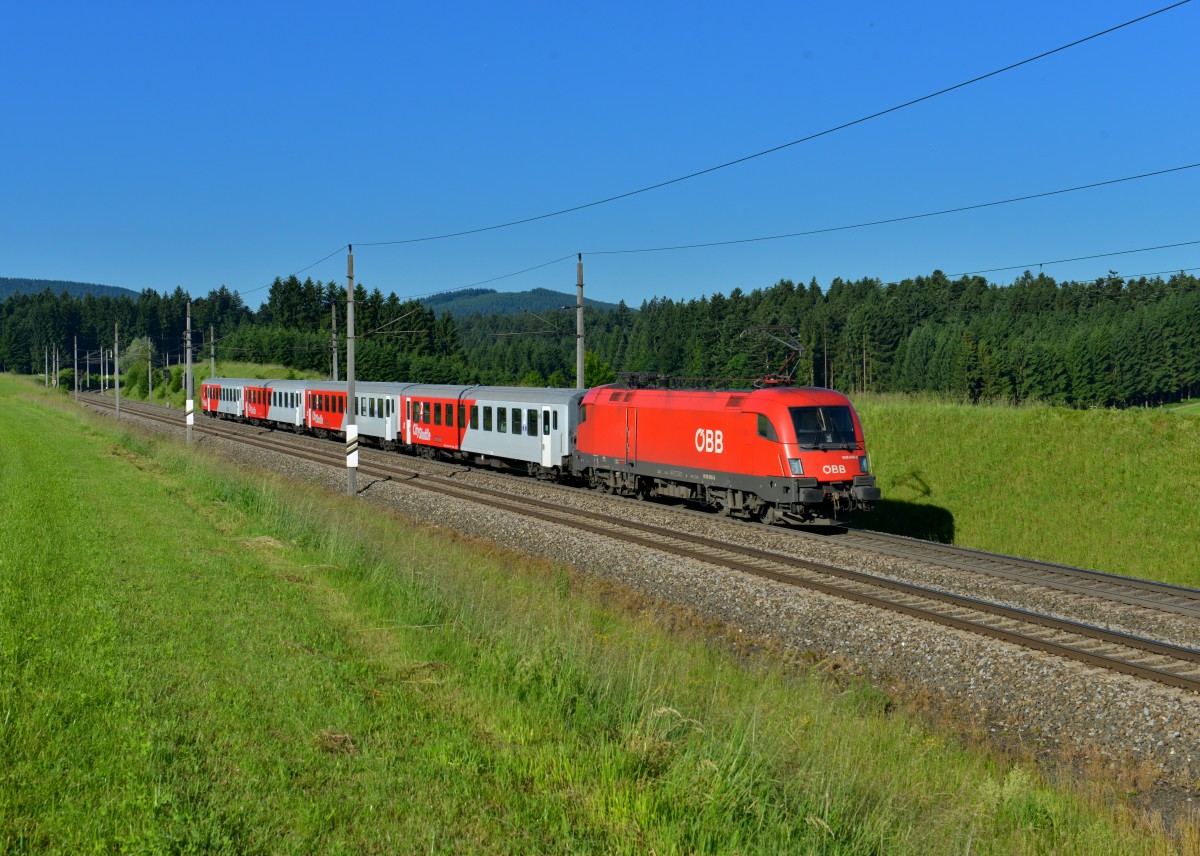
[[708, 440]]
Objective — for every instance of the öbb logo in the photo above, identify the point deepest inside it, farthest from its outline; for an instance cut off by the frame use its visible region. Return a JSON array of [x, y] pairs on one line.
[[708, 440]]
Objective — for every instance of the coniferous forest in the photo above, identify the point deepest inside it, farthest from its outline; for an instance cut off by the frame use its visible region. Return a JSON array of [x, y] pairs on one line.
[[1104, 343]]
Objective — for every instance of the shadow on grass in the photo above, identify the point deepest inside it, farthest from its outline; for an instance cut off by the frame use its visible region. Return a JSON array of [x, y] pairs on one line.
[[914, 519]]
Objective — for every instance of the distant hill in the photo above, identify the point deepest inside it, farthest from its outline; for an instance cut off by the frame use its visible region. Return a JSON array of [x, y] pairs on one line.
[[10, 286], [486, 301]]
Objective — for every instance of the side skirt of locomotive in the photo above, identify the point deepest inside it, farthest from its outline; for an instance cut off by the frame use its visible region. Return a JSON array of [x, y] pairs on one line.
[[801, 501]]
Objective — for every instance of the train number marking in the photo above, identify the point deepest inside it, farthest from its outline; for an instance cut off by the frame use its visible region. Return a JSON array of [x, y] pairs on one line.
[[708, 440]]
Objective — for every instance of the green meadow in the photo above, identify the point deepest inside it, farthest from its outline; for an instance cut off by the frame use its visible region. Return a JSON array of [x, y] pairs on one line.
[[199, 660], [1190, 407], [1113, 490]]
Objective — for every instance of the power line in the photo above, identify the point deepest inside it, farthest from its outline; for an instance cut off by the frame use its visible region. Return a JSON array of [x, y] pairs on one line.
[[824, 230], [905, 218], [318, 261], [782, 146], [1076, 259]]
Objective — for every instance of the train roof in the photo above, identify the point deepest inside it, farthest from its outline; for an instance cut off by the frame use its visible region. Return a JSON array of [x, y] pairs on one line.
[[268, 383], [787, 396], [520, 394]]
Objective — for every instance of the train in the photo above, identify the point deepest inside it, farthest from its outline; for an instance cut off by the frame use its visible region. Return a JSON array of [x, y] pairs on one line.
[[776, 454]]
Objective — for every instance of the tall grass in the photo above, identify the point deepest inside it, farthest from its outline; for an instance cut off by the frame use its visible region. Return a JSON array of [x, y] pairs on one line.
[[1113, 490], [198, 660]]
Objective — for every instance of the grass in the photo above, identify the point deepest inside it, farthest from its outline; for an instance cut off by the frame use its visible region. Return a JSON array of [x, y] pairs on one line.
[[1113, 490], [194, 659], [1190, 407]]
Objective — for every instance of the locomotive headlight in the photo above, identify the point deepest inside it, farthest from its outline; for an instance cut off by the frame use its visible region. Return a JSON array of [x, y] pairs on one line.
[[797, 466], [864, 463]]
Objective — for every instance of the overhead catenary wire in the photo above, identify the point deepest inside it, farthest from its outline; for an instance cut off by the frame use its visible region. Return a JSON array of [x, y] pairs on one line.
[[780, 147], [1030, 265], [905, 218]]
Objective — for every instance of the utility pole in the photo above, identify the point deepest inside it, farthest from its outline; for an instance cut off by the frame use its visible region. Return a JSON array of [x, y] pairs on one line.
[[88, 379], [56, 372], [579, 323], [333, 343], [76, 370], [103, 369], [351, 401], [47, 367], [117, 364], [188, 405], [212, 352]]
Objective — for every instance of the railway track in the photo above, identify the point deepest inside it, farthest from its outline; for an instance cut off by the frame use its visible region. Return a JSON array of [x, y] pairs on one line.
[[1129, 654], [1150, 594]]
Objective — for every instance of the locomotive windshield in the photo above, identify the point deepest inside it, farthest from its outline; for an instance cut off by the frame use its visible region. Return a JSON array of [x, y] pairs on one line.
[[823, 427]]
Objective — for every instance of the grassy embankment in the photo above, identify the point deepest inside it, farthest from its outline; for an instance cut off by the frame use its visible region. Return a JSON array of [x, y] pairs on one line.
[[197, 660], [1190, 407], [1114, 490]]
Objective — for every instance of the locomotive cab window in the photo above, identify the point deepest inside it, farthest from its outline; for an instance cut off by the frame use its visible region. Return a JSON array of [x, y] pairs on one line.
[[823, 427], [766, 429]]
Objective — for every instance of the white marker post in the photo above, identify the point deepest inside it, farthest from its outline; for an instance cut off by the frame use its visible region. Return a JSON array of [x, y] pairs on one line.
[[187, 407], [351, 401]]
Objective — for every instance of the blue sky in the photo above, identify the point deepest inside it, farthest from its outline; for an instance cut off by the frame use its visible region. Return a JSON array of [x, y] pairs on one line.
[[155, 145]]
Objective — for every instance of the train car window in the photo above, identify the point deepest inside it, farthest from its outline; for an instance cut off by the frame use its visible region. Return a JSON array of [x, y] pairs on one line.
[[545, 421], [379, 407], [502, 419], [389, 406], [474, 417], [766, 429], [450, 415], [487, 419], [370, 407], [462, 415], [818, 427], [437, 413], [554, 416], [516, 420], [425, 412], [582, 413], [531, 422]]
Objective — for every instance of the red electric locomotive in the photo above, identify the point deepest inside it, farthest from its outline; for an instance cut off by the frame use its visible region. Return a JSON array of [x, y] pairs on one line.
[[775, 454]]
